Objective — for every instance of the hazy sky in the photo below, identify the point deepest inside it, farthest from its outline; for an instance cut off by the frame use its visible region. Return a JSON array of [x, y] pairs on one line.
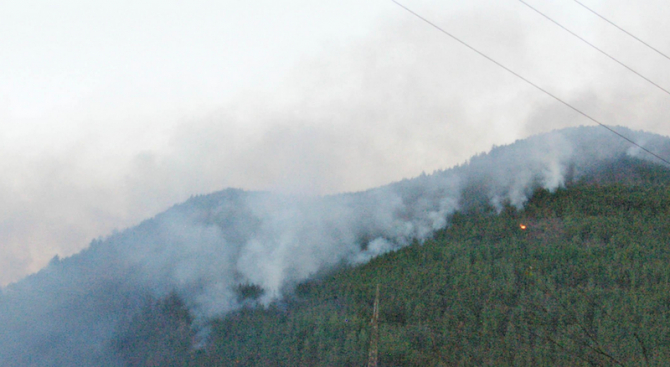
[[111, 112]]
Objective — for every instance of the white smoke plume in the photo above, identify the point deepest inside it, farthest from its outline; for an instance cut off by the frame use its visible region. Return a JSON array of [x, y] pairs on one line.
[[66, 314]]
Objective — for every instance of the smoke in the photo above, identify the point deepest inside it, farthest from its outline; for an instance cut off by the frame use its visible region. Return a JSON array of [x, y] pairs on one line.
[[206, 247], [237, 102], [405, 99]]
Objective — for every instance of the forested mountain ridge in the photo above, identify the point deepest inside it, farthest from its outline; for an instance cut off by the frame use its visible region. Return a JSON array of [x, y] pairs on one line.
[[166, 291], [585, 283]]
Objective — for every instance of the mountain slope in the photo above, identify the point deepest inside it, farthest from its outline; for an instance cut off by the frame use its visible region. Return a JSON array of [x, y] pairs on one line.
[[585, 284], [212, 249]]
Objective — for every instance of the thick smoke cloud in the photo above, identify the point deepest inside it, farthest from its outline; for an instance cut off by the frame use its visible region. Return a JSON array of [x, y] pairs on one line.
[[396, 99], [68, 313]]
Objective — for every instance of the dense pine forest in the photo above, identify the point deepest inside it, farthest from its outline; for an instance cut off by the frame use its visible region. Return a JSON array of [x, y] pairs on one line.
[[576, 277]]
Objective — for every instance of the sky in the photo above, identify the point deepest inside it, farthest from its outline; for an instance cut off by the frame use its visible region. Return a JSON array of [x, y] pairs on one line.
[[111, 112]]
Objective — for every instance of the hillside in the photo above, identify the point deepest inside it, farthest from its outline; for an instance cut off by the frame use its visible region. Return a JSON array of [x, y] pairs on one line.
[[586, 283], [254, 278]]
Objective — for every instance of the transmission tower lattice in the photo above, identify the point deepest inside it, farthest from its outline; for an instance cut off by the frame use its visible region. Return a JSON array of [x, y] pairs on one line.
[[374, 335]]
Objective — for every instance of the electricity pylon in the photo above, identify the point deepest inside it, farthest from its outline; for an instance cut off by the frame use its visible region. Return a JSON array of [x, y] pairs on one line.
[[374, 335]]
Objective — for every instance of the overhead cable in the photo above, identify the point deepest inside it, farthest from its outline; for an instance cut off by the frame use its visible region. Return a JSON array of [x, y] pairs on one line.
[[596, 48], [533, 84], [622, 30]]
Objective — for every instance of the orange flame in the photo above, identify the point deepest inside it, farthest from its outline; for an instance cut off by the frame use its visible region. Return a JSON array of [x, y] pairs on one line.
[[522, 226]]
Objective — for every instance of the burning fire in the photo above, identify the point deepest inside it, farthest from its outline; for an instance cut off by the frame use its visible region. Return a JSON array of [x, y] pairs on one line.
[[522, 226]]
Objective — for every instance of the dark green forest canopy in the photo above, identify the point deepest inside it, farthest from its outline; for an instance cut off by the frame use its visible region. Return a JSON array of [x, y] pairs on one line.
[[586, 283]]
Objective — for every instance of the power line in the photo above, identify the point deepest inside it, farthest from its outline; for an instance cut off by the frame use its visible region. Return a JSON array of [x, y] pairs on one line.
[[595, 47], [622, 30], [533, 84]]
